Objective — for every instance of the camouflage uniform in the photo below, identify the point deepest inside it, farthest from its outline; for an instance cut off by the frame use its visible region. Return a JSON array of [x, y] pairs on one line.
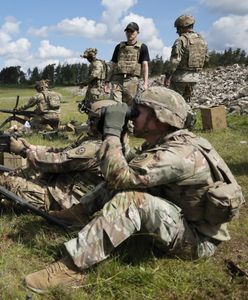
[[96, 77], [56, 179], [46, 113], [161, 190], [127, 68], [188, 56]]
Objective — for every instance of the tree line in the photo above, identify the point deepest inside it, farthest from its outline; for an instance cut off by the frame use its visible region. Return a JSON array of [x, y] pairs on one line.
[[75, 74]]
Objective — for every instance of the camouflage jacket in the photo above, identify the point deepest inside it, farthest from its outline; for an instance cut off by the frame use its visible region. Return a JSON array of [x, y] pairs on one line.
[[189, 52], [173, 169], [97, 72], [39, 101], [69, 174]]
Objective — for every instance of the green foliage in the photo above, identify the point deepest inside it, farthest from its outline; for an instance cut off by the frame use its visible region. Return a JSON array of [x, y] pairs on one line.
[[136, 270]]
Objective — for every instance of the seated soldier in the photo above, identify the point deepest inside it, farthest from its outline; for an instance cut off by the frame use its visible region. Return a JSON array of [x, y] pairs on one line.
[[47, 105], [57, 178], [172, 189]]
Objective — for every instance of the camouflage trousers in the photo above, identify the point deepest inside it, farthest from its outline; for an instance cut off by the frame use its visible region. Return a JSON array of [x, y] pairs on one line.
[[30, 190], [129, 212], [124, 89], [38, 122], [186, 89], [92, 95]]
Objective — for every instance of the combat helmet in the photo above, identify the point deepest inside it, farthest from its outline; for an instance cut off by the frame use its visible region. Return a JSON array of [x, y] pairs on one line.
[[89, 52], [184, 21], [168, 106], [42, 84]]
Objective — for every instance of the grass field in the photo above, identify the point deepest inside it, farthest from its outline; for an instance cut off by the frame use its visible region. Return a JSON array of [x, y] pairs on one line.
[[135, 270]]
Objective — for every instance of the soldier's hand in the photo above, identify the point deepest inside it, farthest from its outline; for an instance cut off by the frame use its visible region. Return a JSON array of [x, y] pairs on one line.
[[17, 147], [114, 120]]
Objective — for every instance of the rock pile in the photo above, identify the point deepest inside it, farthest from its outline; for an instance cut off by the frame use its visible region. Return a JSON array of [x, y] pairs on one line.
[[224, 85]]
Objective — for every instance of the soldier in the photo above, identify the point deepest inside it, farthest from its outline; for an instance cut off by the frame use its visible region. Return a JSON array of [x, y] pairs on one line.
[[188, 55], [171, 188], [130, 60], [96, 76], [47, 107], [57, 178]]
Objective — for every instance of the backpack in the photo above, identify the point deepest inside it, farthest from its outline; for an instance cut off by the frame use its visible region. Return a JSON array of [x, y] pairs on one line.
[[224, 197], [53, 99]]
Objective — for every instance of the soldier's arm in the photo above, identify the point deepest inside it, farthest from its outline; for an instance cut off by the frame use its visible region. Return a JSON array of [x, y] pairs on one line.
[[80, 158], [175, 58], [145, 170], [31, 103]]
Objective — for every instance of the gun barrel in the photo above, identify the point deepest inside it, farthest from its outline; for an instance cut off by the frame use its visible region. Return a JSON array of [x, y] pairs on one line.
[[16, 199], [25, 113]]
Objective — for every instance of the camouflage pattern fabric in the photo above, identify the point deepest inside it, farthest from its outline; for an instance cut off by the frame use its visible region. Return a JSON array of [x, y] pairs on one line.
[[186, 89], [124, 89], [186, 62], [129, 212], [96, 82], [64, 176], [45, 115], [162, 191]]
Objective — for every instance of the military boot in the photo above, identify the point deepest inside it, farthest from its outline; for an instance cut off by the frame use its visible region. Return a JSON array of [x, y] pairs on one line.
[[62, 272], [74, 216]]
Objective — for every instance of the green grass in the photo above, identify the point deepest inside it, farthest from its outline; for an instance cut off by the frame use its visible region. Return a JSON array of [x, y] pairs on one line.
[[135, 270]]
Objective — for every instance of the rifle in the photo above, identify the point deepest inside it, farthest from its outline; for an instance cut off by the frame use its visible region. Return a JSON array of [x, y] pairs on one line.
[[15, 114], [27, 206]]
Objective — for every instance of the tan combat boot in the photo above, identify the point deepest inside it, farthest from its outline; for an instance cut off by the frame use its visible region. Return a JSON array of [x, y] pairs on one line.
[[62, 272], [74, 216]]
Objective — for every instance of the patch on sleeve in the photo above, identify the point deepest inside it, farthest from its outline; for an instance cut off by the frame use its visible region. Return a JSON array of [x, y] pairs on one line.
[[86, 150], [141, 160]]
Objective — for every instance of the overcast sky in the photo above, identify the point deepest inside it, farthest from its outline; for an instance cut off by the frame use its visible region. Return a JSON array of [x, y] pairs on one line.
[[37, 33]]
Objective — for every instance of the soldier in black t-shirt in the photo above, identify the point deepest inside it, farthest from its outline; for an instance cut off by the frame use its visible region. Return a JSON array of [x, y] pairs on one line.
[[129, 62]]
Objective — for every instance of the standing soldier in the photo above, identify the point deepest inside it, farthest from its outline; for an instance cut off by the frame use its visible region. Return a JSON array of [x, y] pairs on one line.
[[47, 107], [188, 55], [96, 76], [130, 60]]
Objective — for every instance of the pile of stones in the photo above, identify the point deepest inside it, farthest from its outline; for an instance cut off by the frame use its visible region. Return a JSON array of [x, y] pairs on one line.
[[226, 86]]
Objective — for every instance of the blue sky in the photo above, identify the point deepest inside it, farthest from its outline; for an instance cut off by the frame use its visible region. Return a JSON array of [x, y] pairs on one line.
[[36, 33]]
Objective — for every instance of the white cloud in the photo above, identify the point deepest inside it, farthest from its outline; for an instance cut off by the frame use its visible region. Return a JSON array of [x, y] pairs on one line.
[[230, 31], [47, 50], [228, 6], [40, 32], [10, 26], [82, 27]]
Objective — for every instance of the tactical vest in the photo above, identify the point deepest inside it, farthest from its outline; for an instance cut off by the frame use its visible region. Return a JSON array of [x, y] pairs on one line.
[[128, 59], [98, 69], [195, 50], [216, 203]]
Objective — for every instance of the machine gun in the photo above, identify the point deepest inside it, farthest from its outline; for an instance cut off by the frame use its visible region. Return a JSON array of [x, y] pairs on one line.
[[15, 114]]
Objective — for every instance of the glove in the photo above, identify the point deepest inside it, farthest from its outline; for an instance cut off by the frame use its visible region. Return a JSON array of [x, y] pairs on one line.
[[114, 120], [17, 147]]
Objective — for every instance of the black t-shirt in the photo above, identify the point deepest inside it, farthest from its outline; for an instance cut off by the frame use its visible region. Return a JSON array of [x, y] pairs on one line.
[[144, 54]]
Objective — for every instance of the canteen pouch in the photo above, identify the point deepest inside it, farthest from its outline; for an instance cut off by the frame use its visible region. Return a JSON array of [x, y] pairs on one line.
[[223, 202]]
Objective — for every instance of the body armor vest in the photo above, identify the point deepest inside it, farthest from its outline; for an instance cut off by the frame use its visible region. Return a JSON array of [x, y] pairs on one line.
[[194, 52], [128, 59]]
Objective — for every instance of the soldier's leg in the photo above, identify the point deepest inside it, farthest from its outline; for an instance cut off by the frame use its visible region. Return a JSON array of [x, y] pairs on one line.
[[130, 87], [125, 214], [116, 89], [179, 87], [32, 192]]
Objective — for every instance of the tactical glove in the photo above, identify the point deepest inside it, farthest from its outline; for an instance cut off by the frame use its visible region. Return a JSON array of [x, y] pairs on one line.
[[115, 119]]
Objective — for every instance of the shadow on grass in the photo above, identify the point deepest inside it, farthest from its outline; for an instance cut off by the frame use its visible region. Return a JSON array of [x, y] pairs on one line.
[[239, 169]]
